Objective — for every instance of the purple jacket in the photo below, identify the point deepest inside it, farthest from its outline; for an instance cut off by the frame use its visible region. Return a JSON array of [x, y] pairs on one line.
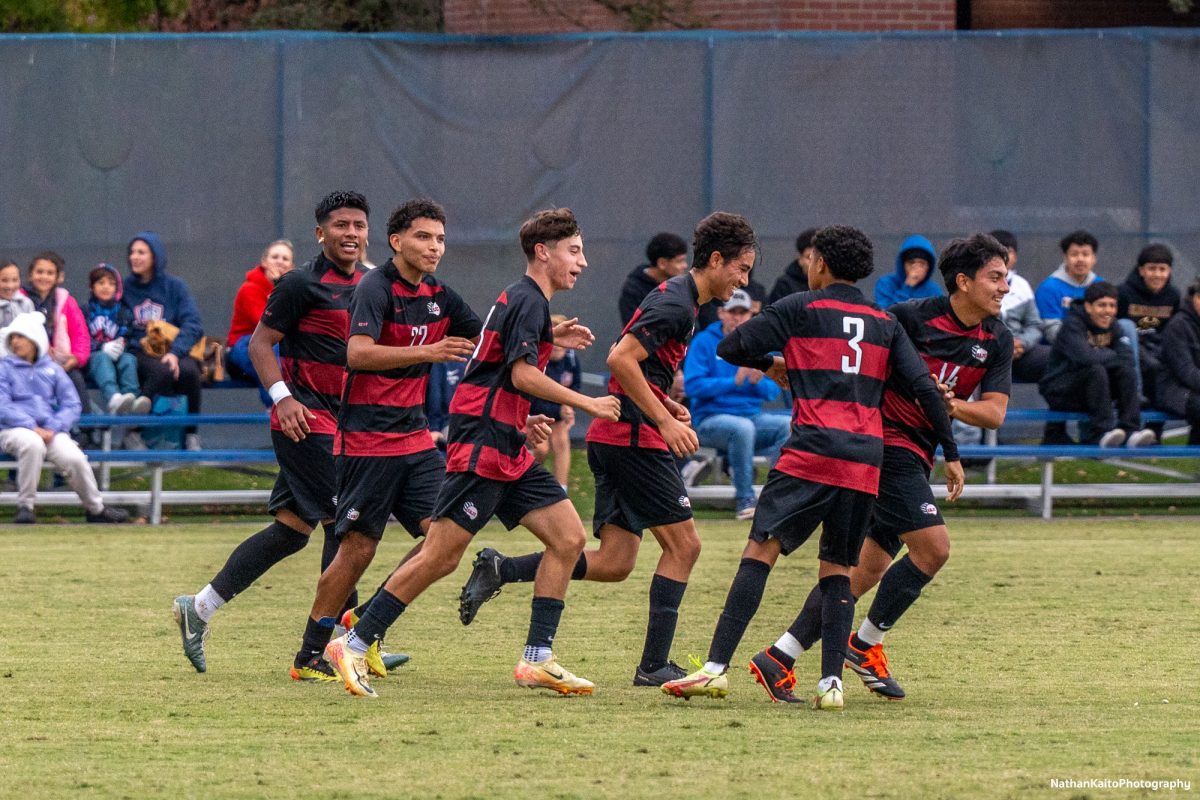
[[38, 395]]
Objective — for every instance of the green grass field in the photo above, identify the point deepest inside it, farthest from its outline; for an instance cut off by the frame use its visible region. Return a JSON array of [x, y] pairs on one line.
[[1043, 651]]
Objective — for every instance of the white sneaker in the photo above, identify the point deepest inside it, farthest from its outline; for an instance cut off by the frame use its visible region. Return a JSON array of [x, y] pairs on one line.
[[120, 403], [1143, 438], [141, 405], [1114, 438], [191, 442], [695, 471]]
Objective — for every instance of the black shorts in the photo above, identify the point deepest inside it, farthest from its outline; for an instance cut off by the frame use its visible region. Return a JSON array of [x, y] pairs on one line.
[[470, 501], [307, 480], [636, 488], [790, 509], [905, 502], [370, 488]]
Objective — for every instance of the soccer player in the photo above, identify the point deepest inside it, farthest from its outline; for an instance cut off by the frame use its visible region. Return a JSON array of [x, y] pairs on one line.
[[402, 320], [306, 315], [637, 483], [966, 347], [838, 350], [490, 472]]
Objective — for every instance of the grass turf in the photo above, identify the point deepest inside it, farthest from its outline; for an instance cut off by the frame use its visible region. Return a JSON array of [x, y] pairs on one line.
[[1043, 651]]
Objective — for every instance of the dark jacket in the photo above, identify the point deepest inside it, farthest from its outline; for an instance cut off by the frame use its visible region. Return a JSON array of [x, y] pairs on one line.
[[794, 279], [1179, 377], [162, 297], [107, 321], [1148, 310], [1080, 345], [634, 290]]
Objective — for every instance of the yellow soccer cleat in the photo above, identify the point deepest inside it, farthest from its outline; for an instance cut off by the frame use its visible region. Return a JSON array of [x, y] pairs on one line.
[[351, 667], [549, 674], [699, 684]]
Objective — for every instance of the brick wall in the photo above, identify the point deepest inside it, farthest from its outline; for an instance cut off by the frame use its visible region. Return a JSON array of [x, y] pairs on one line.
[[1076, 14], [556, 16]]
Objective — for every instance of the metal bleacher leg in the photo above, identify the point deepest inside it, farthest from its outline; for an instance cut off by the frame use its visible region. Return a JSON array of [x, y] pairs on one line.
[[106, 468], [1047, 485], [991, 437], [156, 476]]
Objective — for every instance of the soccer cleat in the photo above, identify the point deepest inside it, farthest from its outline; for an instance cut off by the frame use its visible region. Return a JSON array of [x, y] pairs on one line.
[[379, 662], [483, 585], [831, 699], [350, 666], [393, 661], [549, 674], [316, 669], [668, 672], [872, 666], [777, 679], [698, 684], [193, 630]]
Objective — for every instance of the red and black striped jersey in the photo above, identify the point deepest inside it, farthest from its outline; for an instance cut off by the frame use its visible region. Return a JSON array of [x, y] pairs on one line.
[[488, 413], [964, 358], [840, 350], [383, 413], [310, 307], [663, 324]]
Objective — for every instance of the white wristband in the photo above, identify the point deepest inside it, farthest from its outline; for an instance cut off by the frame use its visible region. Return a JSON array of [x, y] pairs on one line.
[[278, 391]]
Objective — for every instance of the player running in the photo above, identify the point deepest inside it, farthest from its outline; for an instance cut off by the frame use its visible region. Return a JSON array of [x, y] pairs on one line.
[[838, 351], [637, 483], [490, 472]]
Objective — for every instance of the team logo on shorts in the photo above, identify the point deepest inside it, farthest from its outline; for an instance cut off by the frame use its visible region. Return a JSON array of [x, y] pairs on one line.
[[433, 308], [928, 508], [470, 510], [685, 501], [979, 353], [352, 514]]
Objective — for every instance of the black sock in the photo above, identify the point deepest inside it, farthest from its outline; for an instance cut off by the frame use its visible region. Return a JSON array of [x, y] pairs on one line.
[[665, 597], [328, 552], [543, 621], [837, 618], [379, 616], [807, 627], [782, 657], [523, 569], [740, 606], [899, 589], [316, 636], [362, 607], [251, 559]]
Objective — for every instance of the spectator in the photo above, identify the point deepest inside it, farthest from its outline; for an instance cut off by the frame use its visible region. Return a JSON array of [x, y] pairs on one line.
[[112, 368], [1019, 313], [914, 266], [153, 294], [1066, 284], [795, 275], [727, 404], [1178, 389], [276, 261], [564, 368], [1148, 299], [13, 301], [1091, 369], [38, 406], [65, 327], [758, 299], [666, 257]]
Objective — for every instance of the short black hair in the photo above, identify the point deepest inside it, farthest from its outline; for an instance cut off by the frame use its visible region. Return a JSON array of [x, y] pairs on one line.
[[1156, 254], [846, 250], [665, 245], [547, 227], [1005, 238], [967, 256], [1080, 238], [404, 215], [48, 255], [1193, 290], [340, 199], [805, 239], [1099, 290], [724, 233]]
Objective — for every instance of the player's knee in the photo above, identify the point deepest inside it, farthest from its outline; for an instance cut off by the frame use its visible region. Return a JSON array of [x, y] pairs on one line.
[[569, 544], [931, 555]]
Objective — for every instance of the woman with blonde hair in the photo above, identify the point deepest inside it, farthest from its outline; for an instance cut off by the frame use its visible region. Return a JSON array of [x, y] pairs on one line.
[[276, 261]]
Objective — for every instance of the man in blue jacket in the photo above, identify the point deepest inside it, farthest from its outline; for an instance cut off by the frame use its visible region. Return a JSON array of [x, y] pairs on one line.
[[727, 401], [911, 279]]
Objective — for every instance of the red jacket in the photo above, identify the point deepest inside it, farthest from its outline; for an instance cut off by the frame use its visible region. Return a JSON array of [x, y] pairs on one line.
[[249, 304]]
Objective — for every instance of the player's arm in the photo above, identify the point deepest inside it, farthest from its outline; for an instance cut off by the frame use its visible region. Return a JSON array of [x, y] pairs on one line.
[[364, 353], [754, 343], [986, 412], [624, 361], [529, 379], [285, 306], [911, 369]]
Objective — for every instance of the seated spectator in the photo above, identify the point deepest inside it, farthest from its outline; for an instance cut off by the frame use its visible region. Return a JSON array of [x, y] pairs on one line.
[[1091, 369], [564, 368], [727, 404], [153, 294], [38, 406], [914, 266], [111, 367], [276, 261], [666, 257], [1019, 313], [1148, 299], [795, 275], [13, 301], [1178, 389], [70, 346]]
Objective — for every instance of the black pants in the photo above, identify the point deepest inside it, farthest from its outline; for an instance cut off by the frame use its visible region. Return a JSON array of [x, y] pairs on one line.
[[1095, 389], [156, 380], [1031, 366]]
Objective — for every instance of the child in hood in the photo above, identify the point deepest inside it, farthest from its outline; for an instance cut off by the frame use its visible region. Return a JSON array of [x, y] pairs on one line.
[[112, 368]]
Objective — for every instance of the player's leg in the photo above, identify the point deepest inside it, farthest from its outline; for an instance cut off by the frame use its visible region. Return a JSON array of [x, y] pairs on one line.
[[680, 549], [560, 446]]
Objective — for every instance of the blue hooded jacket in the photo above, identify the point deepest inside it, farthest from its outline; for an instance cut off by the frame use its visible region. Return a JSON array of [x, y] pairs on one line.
[[709, 382], [163, 297], [107, 321], [891, 289]]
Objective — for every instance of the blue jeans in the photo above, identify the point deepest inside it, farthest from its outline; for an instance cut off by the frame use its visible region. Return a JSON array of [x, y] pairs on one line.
[[743, 438], [1128, 331], [241, 367], [112, 378]]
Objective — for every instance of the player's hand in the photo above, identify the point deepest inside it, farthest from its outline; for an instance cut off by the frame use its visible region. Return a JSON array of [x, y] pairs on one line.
[[537, 429], [607, 407], [679, 411], [452, 348], [677, 392], [679, 437], [948, 398], [172, 362], [570, 334], [778, 373], [954, 480], [293, 418]]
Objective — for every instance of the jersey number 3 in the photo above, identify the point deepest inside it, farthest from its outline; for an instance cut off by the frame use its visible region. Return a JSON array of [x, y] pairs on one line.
[[853, 326]]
